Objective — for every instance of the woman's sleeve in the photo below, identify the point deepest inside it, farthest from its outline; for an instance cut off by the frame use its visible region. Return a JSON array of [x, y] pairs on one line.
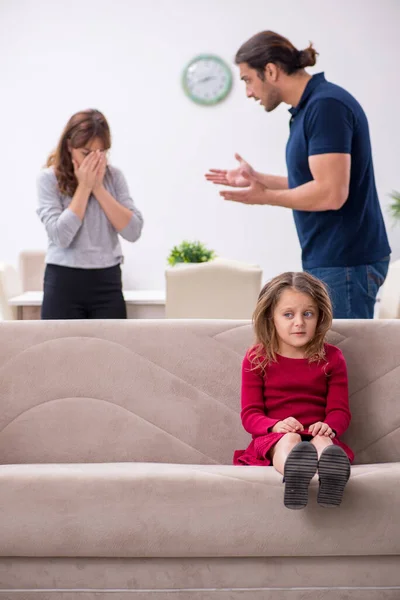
[[61, 225], [133, 230], [253, 415]]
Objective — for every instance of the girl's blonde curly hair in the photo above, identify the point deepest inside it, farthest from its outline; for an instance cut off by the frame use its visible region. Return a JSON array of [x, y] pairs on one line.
[[267, 343]]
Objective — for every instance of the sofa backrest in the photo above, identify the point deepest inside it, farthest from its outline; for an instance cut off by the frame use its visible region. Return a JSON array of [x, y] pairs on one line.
[[166, 391]]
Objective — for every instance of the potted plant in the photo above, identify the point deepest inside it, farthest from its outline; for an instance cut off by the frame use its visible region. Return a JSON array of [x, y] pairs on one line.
[[190, 252], [395, 206]]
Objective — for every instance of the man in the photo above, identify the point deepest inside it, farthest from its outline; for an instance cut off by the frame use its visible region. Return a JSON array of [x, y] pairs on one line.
[[330, 185]]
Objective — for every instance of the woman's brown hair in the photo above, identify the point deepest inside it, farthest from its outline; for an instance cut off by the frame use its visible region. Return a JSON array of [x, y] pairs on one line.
[[270, 47], [82, 127], [267, 343]]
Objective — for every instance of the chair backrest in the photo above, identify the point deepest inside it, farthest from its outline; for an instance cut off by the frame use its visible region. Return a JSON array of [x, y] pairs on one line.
[[389, 305], [31, 268], [10, 285], [218, 289]]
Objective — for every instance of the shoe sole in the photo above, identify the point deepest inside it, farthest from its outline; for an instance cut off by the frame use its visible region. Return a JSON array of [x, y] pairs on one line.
[[300, 467], [334, 473]]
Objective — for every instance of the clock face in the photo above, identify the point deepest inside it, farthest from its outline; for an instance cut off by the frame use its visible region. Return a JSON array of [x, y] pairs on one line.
[[207, 79]]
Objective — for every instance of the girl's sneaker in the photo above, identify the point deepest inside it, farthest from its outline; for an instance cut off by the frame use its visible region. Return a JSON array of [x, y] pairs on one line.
[[334, 473], [300, 467]]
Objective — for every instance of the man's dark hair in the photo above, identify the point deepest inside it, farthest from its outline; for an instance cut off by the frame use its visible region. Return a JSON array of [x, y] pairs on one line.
[[269, 47]]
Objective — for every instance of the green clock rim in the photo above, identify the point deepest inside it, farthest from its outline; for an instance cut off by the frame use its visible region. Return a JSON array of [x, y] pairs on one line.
[[220, 96]]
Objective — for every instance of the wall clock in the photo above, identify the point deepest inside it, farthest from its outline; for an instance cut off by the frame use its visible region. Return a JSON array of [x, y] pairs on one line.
[[207, 79]]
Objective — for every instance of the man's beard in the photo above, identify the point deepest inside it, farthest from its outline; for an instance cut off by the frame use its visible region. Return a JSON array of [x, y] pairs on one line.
[[273, 101]]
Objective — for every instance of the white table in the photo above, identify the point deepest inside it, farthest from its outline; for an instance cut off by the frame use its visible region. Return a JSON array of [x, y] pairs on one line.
[[140, 304]]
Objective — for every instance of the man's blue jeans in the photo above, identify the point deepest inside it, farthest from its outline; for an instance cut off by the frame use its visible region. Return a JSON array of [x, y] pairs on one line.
[[353, 290]]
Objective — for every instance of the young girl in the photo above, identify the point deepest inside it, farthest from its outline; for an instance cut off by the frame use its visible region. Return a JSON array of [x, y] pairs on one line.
[[295, 393], [85, 204]]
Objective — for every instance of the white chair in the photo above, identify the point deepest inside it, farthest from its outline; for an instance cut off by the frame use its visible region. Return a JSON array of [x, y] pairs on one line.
[[31, 269], [218, 289], [389, 305], [10, 285]]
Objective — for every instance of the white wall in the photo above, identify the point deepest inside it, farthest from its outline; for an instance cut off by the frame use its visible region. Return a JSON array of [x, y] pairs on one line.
[[126, 58]]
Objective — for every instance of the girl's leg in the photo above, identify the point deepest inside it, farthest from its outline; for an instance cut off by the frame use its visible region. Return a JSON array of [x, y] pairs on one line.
[[321, 442], [282, 449]]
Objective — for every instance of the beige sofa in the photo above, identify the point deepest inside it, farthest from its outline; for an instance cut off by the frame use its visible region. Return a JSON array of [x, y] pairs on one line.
[[116, 440]]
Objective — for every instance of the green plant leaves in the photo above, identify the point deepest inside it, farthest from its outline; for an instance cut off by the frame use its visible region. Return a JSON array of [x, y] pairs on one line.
[[190, 252], [395, 205]]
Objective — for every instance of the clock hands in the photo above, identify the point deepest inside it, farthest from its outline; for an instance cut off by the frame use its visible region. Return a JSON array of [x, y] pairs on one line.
[[208, 78]]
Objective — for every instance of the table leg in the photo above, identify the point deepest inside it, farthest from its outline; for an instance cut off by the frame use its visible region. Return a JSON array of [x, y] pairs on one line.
[[30, 313]]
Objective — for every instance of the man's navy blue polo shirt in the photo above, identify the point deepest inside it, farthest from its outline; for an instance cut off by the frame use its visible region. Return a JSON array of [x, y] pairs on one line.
[[326, 120]]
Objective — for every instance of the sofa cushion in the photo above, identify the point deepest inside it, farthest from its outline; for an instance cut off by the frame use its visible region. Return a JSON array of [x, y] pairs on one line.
[[167, 391], [164, 510]]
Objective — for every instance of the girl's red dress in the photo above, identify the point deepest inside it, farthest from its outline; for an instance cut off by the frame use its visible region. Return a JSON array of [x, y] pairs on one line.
[[292, 387]]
